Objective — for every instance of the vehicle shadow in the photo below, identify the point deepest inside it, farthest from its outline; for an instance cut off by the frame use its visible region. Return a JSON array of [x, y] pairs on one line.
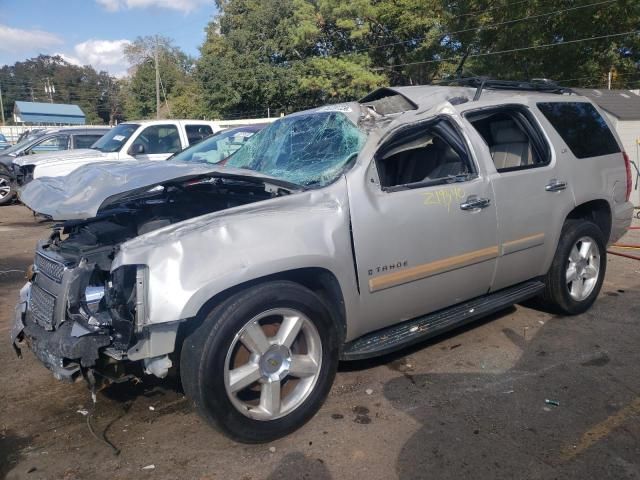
[[539, 418], [10, 450], [296, 465]]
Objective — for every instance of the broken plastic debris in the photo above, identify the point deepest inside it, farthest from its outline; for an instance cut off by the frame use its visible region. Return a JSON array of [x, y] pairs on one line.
[[152, 408], [555, 403], [149, 467], [83, 412], [272, 449], [413, 329], [368, 391]]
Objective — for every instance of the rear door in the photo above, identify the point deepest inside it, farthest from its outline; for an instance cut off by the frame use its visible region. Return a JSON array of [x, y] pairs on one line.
[[530, 186], [424, 225]]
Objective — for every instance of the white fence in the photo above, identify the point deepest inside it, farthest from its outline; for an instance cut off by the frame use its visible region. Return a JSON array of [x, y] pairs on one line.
[[12, 133]]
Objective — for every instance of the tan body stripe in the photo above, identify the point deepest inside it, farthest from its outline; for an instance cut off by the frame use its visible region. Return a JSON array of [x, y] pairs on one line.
[[522, 243], [426, 270], [432, 268]]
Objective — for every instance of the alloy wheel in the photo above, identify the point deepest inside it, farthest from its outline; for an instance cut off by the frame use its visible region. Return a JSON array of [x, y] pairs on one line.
[[273, 364]]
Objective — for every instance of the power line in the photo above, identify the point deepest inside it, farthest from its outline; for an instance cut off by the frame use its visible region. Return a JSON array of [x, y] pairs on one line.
[[483, 27], [513, 50]]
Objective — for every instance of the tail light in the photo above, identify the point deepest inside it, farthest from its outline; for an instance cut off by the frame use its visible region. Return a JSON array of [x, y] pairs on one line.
[[627, 164]]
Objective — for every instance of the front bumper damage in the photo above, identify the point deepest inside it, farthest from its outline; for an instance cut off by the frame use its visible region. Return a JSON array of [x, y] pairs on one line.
[[65, 350], [72, 332]]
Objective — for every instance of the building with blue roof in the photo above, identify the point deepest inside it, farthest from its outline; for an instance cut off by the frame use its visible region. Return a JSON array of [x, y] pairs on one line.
[[47, 113]]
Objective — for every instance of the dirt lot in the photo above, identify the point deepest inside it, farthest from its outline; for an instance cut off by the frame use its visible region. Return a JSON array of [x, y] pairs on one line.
[[471, 404]]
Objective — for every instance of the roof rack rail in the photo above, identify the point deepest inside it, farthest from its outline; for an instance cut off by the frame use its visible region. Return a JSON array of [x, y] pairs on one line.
[[535, 84]]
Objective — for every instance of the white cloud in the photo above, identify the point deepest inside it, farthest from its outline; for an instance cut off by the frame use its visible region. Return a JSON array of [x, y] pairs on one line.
[[100, 54], [15, 40], [185, 6]]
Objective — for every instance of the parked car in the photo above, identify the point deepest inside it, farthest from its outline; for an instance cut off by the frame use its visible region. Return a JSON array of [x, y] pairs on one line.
[[343, 232], [142, 140], [4, 143], [218, 147], [41, 142]]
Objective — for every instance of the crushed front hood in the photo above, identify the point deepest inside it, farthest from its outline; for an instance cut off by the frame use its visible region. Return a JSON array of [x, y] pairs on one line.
[[79, 195], [63, 156]]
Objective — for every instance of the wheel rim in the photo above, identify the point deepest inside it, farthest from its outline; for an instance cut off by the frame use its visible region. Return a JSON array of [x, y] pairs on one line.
[[5, 187], [583, 268], [273, 364]]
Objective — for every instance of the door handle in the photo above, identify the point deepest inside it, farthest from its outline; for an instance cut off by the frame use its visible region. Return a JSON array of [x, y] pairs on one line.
[[555, 186], [475, 203]]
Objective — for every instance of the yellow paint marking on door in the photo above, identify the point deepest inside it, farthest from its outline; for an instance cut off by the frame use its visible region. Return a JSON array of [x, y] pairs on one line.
[[601, 430]]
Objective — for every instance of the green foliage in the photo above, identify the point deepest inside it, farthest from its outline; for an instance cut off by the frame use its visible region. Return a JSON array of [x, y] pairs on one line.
[[286, 55], [96, 93]]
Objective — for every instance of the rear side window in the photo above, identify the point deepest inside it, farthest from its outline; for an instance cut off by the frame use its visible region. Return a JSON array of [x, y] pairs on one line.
[[196, 133], [581, 127], [85, 141]]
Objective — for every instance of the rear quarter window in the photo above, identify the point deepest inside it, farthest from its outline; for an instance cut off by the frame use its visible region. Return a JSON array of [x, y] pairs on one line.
[[196, 133], [581, 127]]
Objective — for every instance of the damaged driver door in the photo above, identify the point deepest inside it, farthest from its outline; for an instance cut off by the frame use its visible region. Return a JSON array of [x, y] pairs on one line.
[[424, 225]]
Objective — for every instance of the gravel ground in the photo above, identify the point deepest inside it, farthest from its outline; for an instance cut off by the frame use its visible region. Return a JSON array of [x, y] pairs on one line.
[[469, 404]]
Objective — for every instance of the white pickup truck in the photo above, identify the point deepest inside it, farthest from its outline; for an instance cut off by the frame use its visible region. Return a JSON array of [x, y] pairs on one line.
[[140, 140]]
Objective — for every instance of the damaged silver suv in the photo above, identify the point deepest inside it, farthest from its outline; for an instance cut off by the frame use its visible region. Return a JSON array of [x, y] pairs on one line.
[[344, 232]]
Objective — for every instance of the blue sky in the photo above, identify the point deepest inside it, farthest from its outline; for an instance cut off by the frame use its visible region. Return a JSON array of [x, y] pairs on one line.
[[95, 31]]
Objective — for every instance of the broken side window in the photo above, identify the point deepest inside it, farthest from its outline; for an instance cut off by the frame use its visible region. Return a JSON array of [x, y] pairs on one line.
[[421, 155]]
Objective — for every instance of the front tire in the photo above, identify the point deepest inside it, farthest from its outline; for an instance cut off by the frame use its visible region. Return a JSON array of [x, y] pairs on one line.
[[6, 190], [262, 362], [578, 269]]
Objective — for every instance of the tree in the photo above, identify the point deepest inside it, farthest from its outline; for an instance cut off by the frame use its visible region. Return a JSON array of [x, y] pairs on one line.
[[175, 76], [83, 86]]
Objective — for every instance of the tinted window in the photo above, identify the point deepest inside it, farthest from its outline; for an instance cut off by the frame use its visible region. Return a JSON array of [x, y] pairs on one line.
[[196, 133], [85, 141], [159, 139], [581, 127], [53, 144]]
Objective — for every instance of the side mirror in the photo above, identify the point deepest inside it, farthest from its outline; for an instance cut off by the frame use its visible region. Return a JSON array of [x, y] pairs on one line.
[[136, 149]]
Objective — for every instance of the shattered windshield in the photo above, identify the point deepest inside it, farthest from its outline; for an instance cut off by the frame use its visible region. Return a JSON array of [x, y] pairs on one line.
[[217, 147], [308, 149], [113, 140]]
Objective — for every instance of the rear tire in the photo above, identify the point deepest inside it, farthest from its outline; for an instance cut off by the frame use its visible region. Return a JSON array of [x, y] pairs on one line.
[[578, 269], [6, 190], [262, 362]]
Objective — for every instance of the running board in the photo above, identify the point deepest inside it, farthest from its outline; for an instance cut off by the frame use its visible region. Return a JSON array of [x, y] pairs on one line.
[[407, 333]]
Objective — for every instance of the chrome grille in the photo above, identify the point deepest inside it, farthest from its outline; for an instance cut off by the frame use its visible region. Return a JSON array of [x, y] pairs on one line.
[[42, 307], [50, 268]]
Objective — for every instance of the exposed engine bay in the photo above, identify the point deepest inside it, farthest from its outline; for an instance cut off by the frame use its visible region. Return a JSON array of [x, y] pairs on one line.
[[81, 314]]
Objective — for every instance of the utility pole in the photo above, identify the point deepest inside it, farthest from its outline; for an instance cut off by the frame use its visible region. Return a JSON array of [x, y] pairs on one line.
[[155, 56], [609, 79], [50, 90], [1, 105]]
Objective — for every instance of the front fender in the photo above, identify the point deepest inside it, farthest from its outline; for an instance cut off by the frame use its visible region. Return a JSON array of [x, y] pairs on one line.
[[192, 261]]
